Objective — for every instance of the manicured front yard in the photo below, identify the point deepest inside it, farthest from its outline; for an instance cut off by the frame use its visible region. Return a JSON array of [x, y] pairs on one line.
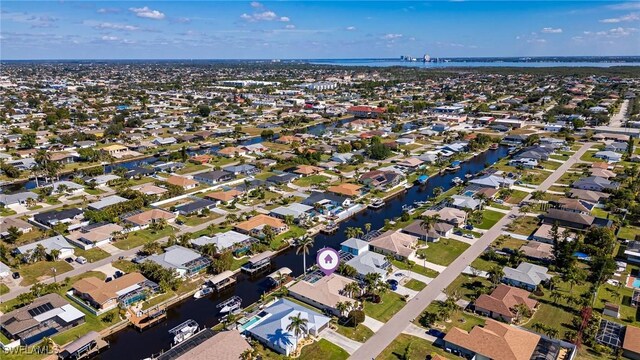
[[414, 284], [390, 303], [443, 252], [323, 350], [125, 265], [467, 286], [410, 347], [197, 220], [524, 225], [416, 269], [92, 255], [359, 333], [42, 269], [311, 180], [3, 289], [142, 237], [489, 218], [516, 196]]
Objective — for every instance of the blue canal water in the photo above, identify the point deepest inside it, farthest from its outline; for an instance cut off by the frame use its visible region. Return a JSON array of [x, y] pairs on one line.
[[131, 344]]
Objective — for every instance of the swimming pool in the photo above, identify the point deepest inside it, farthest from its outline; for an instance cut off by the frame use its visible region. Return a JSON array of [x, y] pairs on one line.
[[636, 283], [469, 193], [249, 324]]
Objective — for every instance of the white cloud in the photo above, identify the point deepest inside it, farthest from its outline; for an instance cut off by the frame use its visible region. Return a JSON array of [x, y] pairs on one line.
[[256, 5], [147, 13], [266, 15], [391, 36], [536, 41], [113, 26], [350, 28], [611, 33], [625, 6], [108, 11], [110, 38], [624, 18], [290, 27], [549, 30]]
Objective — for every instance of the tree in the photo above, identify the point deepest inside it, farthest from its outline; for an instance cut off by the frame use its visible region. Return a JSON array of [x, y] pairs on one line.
[[555, 296], [39, 253], [367, 227], [204, 110], [495, 275], [304, 245], [28, 141], [356, 317], [352, 290], [54, 254], [269, 234], [297, 325], [13, 234], [428, 222], [47, 344], [343, 307], [438, 190], [522, 310]]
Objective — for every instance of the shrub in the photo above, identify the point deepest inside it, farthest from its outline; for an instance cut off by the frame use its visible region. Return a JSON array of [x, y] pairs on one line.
[[355, 317]]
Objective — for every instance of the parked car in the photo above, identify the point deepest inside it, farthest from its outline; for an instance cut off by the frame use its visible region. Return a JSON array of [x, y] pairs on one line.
[[457, 232], [69, 260], [120, 257], [468, 236], [436, 333], [118, 274], [108, 279], [81, 260], [15, 275], [393, 284]]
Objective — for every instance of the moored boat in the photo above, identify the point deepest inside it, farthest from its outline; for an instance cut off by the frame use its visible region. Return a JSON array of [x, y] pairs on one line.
[[204, 291]]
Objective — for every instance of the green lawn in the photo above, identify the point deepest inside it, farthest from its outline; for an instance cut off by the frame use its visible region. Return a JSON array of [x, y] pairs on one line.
[[516, 196], [390, 304], [489, 218], [482, 264], [5, 211], [264, 175], [157, 300], [197, 220], [414, 284], [535, 177], [569, 177], [410, 347], [92, 255], [621, 296], [467, 286], [509, 242], [42, 269], [524, 225], [629, 232], [359, 333], [190, 167], [443, 252], [142, 237], [416, 268], [460, 319], [552, 316], [4, 289], [311, 180], [294, 232], [125, 265], [588, 156], [551, 165], [94, 191], [323, 350]]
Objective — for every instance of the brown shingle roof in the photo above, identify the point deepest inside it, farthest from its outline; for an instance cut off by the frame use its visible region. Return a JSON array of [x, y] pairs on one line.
[[632, 339], [101, 291], [259, 220], [395, 242], [149, 216], [227, 345], [504, 299]]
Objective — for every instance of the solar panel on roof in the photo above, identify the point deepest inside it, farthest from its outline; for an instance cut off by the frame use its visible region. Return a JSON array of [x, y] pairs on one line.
[[40, 309]]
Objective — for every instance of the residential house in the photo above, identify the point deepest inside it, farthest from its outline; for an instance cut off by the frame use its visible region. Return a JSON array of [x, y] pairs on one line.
[[184, 261], [368, 262], [362, 111], [223, 196], [539, 251], [45, 316], [323, 294], [150, 189], [342, 158], [619, 147], [94, 235], [568, 219], [224, 241], [380, 179], [114, 150], [306, 170], [595, 184], [574, 205], [276, 318], [411, 163], [296, 210], [632, 252], [213, 177], [588, 195], [243, 169], [453, 216], [73, 218], [438, 230], [464, 202], [255, 225], [346, 189], [224, 345], [143, 220], [159, 141], [8, 223], [395, 243], [544, 233], [231, 151], [526, 276], [326, 201], [57, 242], [106, 202], [17, 198], [104, 296], [631, 343], [608, 156], [183, 182], [66, 187], [282, 179], [195, 207], [354, 246], [492, 181], [502, 302]]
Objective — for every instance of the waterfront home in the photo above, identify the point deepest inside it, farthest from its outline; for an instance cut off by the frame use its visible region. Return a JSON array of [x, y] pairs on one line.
[[368, 262], [164, 141], [94, 235], [362, 111], [594, 183], [411, 163], [502, 302], [271, 328], [125, 290], [492, 181], [499, 341], [453, 216], [354, 246], [224, 241], [114, 150], [439, 229], [143, 220], [524, 163], [57, 242], [346, 189], [224, 345], [195, 207], [395, 243], [138, 173], [183, 182], [8, 223], [526, 276], [608, 156], [632, 252], [66, 187], [213, 177], [104, 179], [106, 202], [514, 139], [381, 179], [256, 224], [539, 153], [231, 151], [73, 218], [464, 202], [297, 211], [45, 316], [323, 294], [17, 198], [184, 261], [326, 201]]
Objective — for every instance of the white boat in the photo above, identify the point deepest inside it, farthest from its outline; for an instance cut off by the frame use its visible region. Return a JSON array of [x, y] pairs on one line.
[[184, 331], [203, 292], [230, 305], [456, 180], [376, 203]]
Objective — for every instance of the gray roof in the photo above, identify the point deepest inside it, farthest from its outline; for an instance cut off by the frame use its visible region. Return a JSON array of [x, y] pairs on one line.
[[295, 209], [492, 181], [175, 257], [222, 240], [57, 242], [103, 179], [527, 273], [10, 199], [274, 326], [355, 243], [105, 202], [370, 262]]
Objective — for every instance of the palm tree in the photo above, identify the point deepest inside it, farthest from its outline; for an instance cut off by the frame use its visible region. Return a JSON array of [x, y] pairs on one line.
[[54, 253], [247, 354], [495, 275], [42, 159], [343, 307], [482, 198], [304, 245], [352, 289], [367, 227], [428, 222], [297, 325], [555, 296], [47, 344]]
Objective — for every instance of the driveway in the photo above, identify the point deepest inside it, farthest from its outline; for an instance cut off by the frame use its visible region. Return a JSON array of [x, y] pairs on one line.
[[344, 342]]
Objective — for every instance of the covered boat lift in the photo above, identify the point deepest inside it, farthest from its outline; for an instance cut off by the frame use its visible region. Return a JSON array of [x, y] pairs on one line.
[[222, 280], [258, 262]]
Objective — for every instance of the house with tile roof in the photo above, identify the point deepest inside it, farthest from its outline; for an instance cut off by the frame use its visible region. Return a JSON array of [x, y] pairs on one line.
[[323, 294], [104, 296], [346, 189], [395, 243], [501, 303], [256, 224], [183, 182], [526, 276], [144, 219], [184, 261]]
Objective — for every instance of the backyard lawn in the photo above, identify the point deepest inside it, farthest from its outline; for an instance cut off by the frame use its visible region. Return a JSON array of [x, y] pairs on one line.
[[621, 296], [489, 218], [552, 316], [311, 180], [629, 232], [443, 252], [410, 347], [42, 269], [138, 238], [390, 303]]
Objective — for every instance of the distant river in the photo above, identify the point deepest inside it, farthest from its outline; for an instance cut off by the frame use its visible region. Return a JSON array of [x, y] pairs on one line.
[[469, 64]]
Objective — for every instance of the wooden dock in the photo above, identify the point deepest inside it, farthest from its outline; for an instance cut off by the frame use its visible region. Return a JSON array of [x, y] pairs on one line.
[[147, 320]]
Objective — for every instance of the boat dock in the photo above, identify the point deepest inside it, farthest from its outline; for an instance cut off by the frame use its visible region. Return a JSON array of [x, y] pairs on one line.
[[142, 321], [258, 263], [85, 347], [278, 274], [222, 281], [230, 305]]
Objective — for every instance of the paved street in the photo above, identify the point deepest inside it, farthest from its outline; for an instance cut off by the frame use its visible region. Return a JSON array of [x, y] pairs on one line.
[[387, 333]]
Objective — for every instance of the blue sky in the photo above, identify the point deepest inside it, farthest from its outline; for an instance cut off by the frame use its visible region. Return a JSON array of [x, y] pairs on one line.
[[315, 29]]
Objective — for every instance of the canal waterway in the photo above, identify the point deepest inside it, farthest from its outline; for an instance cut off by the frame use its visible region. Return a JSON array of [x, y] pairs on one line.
[[131, 344]]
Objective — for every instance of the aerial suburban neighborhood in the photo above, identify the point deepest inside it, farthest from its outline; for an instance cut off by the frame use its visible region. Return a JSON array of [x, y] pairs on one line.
[[175, 210]]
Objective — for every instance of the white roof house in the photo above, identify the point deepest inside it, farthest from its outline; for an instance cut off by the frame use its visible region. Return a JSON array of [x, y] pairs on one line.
[[185, 261], [53, 243], [106, 202], [222, 241]]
